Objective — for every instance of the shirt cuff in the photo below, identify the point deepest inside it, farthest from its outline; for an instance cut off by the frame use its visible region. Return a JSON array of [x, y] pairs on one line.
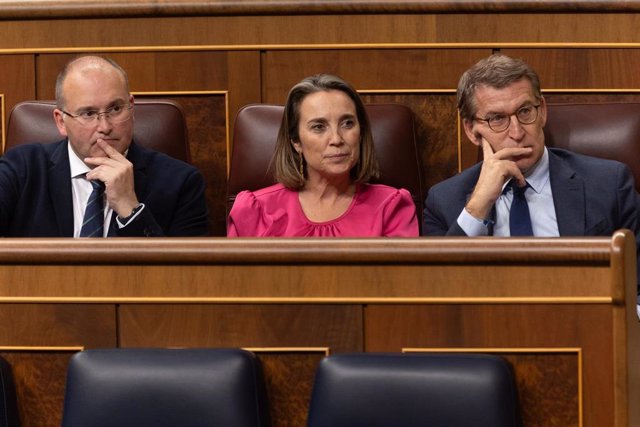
[[471, 225], [130, 218]]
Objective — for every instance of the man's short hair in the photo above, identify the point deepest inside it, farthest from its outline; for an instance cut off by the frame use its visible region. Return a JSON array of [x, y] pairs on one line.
[[496, 71]]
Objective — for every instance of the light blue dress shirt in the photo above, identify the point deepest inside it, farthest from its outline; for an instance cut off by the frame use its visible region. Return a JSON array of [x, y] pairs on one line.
[[539, 198]]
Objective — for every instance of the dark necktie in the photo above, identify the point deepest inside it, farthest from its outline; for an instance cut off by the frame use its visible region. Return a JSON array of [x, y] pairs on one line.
[[519, 218], [93, 222]]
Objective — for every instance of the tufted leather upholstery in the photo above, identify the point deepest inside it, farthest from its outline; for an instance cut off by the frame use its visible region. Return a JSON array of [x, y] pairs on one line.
[[413, 390], [164, 387], [159, 125], [609, 130], [8, 401], [256, 131]]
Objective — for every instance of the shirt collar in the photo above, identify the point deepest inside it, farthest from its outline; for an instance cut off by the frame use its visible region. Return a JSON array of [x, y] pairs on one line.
[[538, 176], [78, 167]]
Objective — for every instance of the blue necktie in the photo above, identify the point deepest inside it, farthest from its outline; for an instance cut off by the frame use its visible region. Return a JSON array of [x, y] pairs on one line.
[[519, 218], [93, 222]]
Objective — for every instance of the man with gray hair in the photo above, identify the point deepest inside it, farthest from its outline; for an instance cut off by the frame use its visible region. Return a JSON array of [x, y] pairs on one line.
[[522, 188]]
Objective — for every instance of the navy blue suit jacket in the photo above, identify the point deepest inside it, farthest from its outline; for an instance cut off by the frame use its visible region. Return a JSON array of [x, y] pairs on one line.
[[36, 200], [592, 197]]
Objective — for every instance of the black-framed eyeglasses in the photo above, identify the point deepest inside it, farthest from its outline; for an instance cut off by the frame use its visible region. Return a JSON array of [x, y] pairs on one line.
[[116, 114], [500, 122]]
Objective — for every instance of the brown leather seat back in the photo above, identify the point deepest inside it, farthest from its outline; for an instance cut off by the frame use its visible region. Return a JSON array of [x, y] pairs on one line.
[[256, 131], [609, 130], [159, 124]]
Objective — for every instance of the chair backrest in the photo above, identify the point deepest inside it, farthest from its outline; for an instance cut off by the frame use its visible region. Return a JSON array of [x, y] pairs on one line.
[[609, 130], [256, 131], [8, 400], [159, 124], [164, 387], [413, 390]]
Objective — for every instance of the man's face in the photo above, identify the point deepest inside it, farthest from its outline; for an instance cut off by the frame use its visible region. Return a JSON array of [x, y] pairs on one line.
[[94, 89], [492, 102]]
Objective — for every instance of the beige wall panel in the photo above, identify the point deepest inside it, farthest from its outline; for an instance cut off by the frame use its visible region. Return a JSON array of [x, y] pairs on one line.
[[91, 325], [17, 81], [338, 327], [368, 69]]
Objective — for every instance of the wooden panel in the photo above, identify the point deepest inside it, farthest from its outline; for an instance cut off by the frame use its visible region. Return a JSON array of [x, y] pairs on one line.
[[89, 326], [17, 80], [583, 68], [526, 297], [40, 378], [538, 27], [289, 380], [368, 69], [337, 327], [315, 29], [436, 121], [39, 368], [551, 327]]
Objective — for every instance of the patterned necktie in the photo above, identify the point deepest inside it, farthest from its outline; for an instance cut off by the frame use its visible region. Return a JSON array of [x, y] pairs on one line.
[[93, 222], [519, 218]]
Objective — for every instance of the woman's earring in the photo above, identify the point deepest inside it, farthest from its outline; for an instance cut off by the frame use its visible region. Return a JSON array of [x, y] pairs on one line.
[[301, 165]]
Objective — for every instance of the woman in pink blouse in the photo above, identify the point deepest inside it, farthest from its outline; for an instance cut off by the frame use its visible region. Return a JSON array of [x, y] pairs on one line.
[[324, 159]]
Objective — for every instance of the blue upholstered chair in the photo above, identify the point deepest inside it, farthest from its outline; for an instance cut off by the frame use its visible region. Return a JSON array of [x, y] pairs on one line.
[[413, 390], [8, 402], [164, 387]]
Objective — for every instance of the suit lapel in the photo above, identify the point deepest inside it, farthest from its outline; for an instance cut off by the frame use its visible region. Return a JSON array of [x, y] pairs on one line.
[[60, 189], [568, 197]]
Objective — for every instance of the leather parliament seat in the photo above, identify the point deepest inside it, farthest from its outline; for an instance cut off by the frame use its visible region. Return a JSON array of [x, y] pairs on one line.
[[159, 124], [609, 130], [413, 390], [164, 387], [256, 131]]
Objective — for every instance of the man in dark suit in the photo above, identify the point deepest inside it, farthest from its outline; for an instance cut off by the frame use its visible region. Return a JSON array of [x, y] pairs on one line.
[[565, 194], [45, 189]]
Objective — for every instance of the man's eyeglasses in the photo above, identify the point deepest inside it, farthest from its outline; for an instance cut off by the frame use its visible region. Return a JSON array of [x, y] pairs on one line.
[[115, 114], [500, 122]]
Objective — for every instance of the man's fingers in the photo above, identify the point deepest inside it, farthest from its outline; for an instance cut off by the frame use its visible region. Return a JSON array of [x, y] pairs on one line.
[[510, 153], [487, 150], [108, 149]]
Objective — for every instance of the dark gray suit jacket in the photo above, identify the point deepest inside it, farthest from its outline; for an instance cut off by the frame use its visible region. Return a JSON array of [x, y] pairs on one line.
[[36, 201]]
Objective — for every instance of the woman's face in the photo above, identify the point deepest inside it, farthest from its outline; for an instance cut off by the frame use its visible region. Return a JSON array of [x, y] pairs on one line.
[[329, 134]]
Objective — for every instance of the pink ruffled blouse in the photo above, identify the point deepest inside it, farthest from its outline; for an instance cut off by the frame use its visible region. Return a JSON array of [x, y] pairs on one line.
[[376, 210]]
